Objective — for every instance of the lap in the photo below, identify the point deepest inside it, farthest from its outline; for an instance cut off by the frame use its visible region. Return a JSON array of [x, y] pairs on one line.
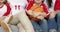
[[15, 19], [36, 26]]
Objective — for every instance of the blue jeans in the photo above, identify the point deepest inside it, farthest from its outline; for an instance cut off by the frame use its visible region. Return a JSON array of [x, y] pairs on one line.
[[41, 27], [58, 21], [52, 23]]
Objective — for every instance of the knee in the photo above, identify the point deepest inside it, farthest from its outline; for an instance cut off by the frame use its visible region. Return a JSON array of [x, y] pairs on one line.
[[44, 22]]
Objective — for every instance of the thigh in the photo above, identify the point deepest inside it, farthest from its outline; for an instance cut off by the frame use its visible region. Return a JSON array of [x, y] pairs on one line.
[[21, 28], [24, 20], [44, 25], [52, 23], [15, 19], [36, 26], [58, 21]]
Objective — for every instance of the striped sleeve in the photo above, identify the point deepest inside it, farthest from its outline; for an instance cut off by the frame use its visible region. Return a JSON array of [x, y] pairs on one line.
[[8, 10]]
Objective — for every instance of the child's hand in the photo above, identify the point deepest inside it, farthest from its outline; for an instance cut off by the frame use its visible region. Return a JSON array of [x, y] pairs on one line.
[[35, 14], [30, 12], [44, 14], [40, 17]]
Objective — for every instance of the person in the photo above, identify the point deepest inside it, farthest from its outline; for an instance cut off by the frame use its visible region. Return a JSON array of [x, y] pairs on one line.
[[53, 19], [19, 16], [5, 12], [37, 18], [57, 10]]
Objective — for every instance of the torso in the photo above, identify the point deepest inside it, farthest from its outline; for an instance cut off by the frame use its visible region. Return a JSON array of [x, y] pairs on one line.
[[17, 6], [42, 6]]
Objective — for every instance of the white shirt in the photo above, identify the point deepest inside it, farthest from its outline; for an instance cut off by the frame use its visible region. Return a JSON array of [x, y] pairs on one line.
[[14, 5], [3, 10]]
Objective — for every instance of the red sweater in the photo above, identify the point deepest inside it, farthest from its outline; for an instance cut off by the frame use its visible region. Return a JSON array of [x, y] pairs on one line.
[[44, 6], [57, 5]]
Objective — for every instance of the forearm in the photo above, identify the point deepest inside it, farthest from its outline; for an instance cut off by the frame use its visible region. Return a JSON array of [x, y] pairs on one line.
[[33, 13], [2, 18], [5, 26], [29, 12]]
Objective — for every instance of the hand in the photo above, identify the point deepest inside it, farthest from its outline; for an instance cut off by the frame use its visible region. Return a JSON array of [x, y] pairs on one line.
[[35, 14], [58, 11], [44, 14], [40, 17], [29, 12], [52, 15]]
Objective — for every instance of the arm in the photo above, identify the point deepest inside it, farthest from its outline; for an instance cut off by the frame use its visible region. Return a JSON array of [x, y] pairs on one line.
[[33, 13], [2, 18]]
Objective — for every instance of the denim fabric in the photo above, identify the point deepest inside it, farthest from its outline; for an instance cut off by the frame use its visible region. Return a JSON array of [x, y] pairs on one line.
[[52, 23], [58, 21], [41, 27]]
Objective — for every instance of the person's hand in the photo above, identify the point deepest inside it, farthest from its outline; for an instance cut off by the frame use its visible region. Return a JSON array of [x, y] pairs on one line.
[[52, 15], [40, 17], [35, 14], [29, 12], [56, 12], [44, 14]]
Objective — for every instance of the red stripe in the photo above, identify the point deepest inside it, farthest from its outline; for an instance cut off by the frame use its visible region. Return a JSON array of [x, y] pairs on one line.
[[45, 8], [8, 10], [30, 5]]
